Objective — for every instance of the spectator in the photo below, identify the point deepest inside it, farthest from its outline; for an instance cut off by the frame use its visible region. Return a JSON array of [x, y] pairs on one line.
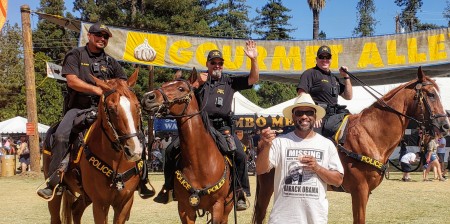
[[405, 162], [441, 153], [431, 158], [24, 154], [302, 159], [403, 151]]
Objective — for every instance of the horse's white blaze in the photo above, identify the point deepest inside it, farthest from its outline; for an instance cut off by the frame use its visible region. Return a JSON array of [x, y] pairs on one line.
[[126, 105]]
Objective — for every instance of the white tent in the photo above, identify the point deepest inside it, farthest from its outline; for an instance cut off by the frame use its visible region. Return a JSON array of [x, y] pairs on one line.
[[243, 106], [362, 99], [18, 125]]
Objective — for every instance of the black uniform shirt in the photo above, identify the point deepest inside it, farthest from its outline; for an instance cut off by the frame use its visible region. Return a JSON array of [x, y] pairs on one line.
[[81, 62], [221, 93], [319, 84]]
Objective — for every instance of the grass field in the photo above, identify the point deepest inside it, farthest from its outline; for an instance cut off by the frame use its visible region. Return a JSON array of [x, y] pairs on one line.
[[393, 201]]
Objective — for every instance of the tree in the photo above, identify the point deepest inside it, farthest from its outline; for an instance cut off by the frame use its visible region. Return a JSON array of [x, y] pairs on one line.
[[272, 21], [366, 21], [408, 18], [447, 12], [229, 20], [316, 6], [271, 25], [11, 72]]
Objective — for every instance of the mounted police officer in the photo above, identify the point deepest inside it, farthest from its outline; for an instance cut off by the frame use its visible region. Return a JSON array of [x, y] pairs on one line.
[[78, 65], [215, 93], [324, 88]]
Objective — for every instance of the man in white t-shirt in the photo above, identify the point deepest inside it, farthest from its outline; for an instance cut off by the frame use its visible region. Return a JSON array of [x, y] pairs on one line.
[[305, 150], [405, 162]]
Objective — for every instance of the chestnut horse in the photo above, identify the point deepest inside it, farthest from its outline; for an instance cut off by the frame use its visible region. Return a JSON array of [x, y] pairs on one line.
[[372, 136], [105, 172], [203, 179]]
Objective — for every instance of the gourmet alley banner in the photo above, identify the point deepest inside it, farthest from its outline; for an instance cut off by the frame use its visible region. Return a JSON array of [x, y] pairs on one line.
[[375, 60]]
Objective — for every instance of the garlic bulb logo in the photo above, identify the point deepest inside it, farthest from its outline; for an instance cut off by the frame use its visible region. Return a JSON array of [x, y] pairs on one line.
[[145, 52]]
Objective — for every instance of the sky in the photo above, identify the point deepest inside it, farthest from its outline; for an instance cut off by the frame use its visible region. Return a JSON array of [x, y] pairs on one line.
[[337, 19]]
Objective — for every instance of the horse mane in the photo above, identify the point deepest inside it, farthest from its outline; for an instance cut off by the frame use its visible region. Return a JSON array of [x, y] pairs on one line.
[[411, 84]]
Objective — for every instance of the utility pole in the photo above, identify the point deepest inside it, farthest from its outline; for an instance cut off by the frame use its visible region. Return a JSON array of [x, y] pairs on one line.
[[151, 83], [30, 85]]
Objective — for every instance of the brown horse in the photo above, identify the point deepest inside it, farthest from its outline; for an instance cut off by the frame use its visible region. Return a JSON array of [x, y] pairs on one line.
[[105, 172], [372, 136], [203, 180]]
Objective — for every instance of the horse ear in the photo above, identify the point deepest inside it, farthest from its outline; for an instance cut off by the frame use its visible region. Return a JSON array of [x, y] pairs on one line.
[[133, 78], [100, 83], [177, 75], [420, 75], [193, 77]]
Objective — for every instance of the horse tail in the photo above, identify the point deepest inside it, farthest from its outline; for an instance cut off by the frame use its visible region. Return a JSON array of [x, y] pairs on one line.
[[66, 209], [262, 196]]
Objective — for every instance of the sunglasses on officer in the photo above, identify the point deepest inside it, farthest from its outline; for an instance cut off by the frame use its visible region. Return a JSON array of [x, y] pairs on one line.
[[104, 35], [326, 57], [308, 113], [214, 63]]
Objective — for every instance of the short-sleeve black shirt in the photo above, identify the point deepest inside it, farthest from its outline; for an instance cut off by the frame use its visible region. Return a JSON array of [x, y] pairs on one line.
[[221, 93], [319, 83], [81, 62]]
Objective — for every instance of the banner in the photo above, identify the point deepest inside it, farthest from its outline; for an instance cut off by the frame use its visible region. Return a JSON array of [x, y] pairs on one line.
[[394, 57], [249, 122], [3, 12]]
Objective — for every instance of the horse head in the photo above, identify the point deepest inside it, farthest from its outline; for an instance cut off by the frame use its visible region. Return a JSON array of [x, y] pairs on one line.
[[120, 115], [173, 98], [432, 112]]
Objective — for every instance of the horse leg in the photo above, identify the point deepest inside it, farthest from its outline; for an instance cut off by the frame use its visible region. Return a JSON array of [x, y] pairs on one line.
[[78, 208], [100, 211], [188, 215], [54, 207], [264, 191], [360, 197], [217, 212], [122, 211]]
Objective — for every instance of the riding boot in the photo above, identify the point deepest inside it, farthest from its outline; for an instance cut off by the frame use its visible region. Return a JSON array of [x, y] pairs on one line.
[[57, 166], [143, 190]]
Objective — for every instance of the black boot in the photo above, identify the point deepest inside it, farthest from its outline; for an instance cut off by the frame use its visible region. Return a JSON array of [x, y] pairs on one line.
[[164, 196], [48, 192], [143, 190]]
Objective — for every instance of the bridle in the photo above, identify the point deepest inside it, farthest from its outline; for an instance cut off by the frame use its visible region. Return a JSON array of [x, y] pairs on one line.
[[163, 109], [116, 138]]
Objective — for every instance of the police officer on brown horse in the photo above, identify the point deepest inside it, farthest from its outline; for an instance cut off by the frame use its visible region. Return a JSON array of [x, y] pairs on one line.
[[78, 65], [215, 93]]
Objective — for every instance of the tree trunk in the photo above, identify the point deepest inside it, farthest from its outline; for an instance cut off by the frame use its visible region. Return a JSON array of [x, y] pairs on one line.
[[316, 24]]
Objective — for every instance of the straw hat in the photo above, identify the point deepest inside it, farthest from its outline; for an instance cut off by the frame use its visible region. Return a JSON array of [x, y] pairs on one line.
[[304, 100]]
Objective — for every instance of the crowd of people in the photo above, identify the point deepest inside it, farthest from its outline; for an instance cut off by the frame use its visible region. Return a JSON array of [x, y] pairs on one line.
[[20, 148]]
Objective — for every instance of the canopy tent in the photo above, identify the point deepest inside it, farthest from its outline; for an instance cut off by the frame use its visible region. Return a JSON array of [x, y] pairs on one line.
[[242, 106], [18, 125]]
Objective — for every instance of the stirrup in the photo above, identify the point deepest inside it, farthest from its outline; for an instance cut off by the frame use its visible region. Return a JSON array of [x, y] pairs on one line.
[[53, 190]]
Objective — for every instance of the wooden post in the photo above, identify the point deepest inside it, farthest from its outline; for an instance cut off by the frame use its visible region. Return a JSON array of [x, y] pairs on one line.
[[151, 82], [32, 128]]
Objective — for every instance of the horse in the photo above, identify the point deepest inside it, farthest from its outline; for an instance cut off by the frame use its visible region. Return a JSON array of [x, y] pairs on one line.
[[105, 170], [203, 179], [371, 137]]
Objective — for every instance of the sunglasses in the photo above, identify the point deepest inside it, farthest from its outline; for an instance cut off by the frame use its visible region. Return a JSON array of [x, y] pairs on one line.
[[326, 57], [220, 63], [105, 36], [309, 113]]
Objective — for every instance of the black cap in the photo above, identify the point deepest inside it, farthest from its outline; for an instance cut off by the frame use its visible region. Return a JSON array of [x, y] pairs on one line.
[[99, 27], [324, 50], [214, 54]]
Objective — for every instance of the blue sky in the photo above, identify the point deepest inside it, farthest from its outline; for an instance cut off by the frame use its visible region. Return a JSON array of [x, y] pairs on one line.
[[337, 19]]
